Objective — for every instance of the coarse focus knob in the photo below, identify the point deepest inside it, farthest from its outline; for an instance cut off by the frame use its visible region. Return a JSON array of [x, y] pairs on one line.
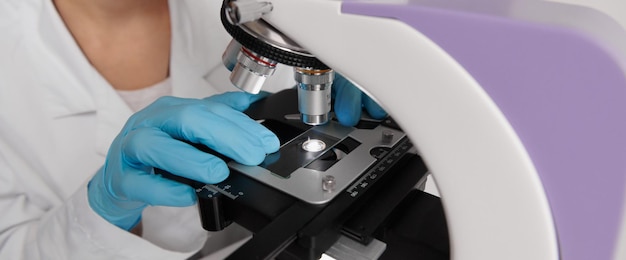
[[243, 11]]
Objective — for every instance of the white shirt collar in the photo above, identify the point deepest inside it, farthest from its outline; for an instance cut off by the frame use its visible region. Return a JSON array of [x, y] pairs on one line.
[[195, 52]]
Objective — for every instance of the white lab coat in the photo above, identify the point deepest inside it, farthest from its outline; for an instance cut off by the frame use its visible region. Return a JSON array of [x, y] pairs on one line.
[[58, 117]]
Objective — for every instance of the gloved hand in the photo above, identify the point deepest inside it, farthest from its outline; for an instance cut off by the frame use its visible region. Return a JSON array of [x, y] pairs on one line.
[[126, 184], [349, 102]]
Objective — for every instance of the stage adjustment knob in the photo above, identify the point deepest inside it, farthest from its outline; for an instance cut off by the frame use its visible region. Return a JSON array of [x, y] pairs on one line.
[[212, 213]]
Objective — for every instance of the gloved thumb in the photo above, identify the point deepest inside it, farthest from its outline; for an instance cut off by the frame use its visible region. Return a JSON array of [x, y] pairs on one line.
[[238, 100]]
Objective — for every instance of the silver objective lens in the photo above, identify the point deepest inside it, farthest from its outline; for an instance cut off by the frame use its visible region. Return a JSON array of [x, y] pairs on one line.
[[229, 57], [314, 100], [251, 70]]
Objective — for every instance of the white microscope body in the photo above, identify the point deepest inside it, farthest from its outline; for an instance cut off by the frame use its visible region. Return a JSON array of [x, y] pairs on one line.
[[514, 106]]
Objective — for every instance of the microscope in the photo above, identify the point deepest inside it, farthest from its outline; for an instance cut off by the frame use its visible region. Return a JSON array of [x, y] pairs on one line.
[[515, 108]]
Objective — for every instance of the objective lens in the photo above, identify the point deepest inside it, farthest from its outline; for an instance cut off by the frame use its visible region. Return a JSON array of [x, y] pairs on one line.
[[229, 57], [314, 100], [251, 71]]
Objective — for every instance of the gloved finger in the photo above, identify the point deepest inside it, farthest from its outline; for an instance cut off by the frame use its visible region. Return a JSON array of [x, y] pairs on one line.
[[162, 105], [220, 128], [347, 103], [166, 105], [372, 108], [157, 191], [237, 136], [237, 100], [339, 83], [153, 148]]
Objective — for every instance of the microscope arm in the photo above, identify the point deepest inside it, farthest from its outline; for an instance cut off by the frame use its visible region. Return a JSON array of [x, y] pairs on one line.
[[509, 167], [438, 103]]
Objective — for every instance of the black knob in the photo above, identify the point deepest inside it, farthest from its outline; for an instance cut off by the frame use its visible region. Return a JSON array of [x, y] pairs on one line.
[[212, 213]]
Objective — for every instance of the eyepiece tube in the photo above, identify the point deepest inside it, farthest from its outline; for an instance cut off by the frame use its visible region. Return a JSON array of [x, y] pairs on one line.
[[314, 88]]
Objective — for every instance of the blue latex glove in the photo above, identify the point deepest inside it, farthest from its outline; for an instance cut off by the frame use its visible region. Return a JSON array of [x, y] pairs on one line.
[[350, 101], [126, 184]]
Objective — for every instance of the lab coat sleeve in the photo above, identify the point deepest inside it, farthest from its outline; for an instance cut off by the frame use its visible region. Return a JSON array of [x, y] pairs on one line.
[[72, 230]]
